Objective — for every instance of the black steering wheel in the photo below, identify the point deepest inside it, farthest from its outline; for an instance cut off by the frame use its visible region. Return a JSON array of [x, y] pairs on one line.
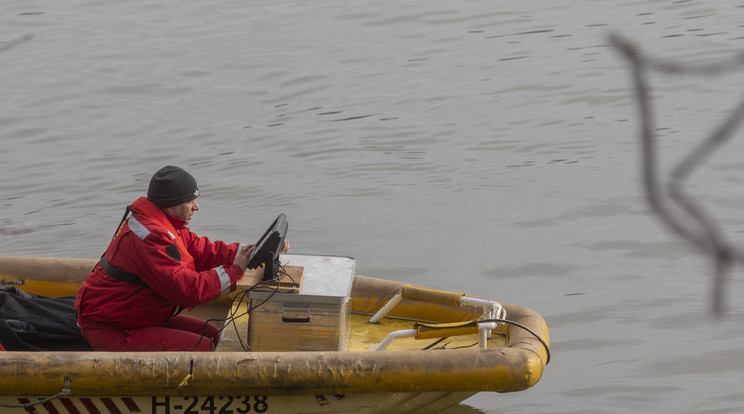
[[269, 247]]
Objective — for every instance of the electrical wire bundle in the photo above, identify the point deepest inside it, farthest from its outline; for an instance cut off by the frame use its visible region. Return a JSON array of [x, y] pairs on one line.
[[261, 286]]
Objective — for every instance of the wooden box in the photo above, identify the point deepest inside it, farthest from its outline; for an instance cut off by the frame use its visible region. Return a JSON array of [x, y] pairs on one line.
[[315, 318]]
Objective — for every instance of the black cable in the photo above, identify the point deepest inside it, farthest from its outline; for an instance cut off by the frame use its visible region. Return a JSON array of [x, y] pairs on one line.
[[65, 391], [545, 344], [232, 316], [547, 349], [280, 273], [283, 273], [431, 345], [250, 309]]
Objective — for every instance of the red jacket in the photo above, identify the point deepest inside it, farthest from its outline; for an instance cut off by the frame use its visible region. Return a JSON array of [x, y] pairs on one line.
[[178, 268]]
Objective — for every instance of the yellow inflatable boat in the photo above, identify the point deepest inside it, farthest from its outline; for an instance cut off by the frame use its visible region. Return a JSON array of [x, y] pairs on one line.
[[320, 340]]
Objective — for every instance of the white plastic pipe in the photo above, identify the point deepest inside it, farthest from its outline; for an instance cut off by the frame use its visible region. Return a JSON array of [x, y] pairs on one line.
[[393, 302], [484, 303], [484, 331], [403, 333]]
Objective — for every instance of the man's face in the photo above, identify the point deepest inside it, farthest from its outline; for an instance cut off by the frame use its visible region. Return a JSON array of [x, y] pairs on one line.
[[183, 211]]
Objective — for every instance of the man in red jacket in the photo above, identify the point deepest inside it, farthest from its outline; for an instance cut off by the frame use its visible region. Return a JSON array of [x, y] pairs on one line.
[[153, 267]]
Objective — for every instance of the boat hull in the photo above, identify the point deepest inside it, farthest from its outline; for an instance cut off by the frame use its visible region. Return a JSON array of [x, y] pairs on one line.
[[361, 381], [366, 403]]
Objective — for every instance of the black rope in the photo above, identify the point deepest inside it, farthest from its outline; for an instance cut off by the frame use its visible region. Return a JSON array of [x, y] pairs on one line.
[[65, 391]]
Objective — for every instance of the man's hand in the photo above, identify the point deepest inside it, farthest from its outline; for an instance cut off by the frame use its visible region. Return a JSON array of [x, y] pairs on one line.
[[242, 255]]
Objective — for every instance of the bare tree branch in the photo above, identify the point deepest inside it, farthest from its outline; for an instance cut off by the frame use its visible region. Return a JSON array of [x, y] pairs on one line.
[[688, 219]]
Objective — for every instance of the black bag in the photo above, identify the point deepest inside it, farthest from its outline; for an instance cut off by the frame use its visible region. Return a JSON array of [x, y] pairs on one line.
[[38, 323]]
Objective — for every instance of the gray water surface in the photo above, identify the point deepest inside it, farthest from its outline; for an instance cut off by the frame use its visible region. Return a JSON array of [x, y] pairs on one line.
[[478, 146]]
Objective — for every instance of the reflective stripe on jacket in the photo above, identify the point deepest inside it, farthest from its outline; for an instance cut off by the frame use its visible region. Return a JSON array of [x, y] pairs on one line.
[[177, 267]]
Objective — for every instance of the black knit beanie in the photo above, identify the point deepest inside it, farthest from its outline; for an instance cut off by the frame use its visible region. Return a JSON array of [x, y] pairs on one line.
[[171, 186]]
